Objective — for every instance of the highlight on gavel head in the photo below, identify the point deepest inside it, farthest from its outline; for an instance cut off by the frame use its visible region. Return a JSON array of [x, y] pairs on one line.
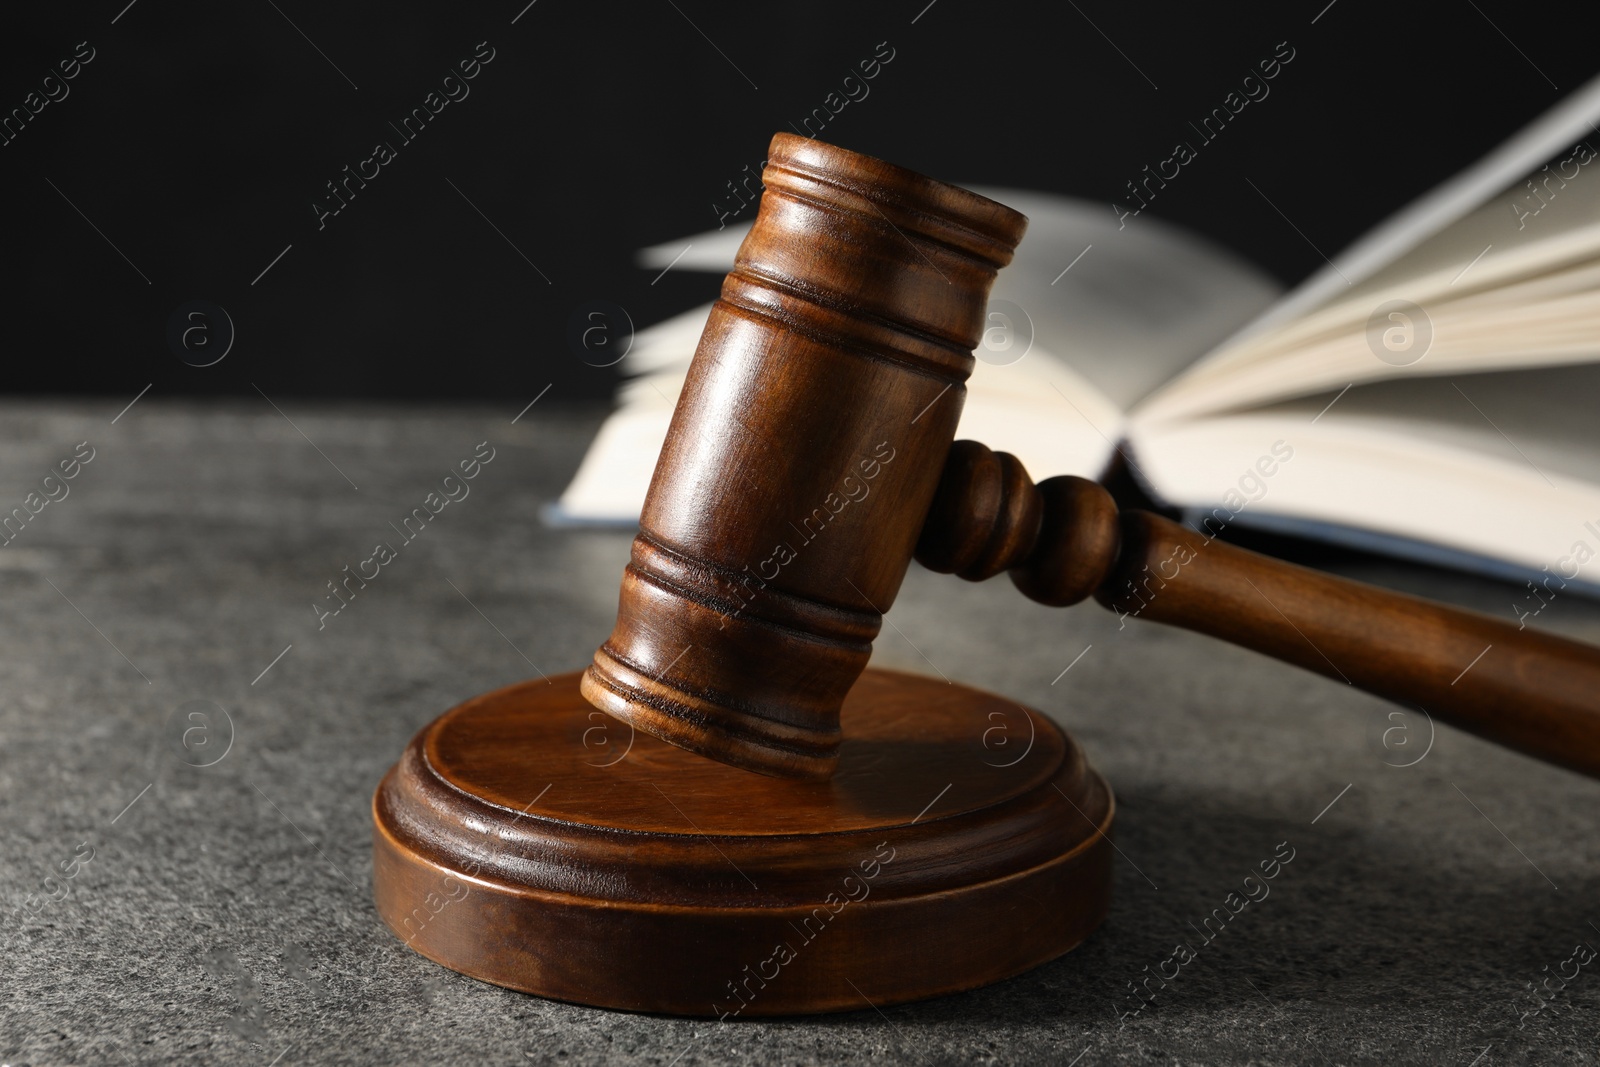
[[804, 453]]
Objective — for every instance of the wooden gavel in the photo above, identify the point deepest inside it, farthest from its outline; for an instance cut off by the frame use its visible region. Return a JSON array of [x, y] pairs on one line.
[[810, 457]]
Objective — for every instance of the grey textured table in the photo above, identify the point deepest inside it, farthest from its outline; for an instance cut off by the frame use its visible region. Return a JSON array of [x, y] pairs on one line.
[[156, 912]]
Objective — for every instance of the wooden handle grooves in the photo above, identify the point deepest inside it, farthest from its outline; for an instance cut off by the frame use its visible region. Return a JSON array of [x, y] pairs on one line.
[[1063, 539]]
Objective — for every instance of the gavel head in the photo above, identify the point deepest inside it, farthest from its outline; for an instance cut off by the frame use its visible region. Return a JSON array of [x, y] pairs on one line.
[[804, 453]]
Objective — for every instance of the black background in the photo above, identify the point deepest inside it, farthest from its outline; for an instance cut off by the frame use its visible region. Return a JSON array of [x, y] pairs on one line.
[[200, 135]]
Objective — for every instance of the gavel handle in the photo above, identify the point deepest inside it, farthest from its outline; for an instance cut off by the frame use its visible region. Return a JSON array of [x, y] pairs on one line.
[[1064, 540]]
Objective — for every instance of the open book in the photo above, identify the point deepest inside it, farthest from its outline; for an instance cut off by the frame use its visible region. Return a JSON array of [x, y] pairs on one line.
[[1433, 392]]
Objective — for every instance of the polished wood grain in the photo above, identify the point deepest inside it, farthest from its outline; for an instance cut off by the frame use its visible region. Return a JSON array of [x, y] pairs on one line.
[[526, 839], [805, 448], [810, 455], [1531, 691]]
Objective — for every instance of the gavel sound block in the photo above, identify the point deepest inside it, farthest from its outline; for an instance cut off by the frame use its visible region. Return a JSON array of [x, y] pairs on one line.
[[903, 837]]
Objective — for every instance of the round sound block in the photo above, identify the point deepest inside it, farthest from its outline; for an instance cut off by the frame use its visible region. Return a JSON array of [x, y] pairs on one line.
[[527, 839]]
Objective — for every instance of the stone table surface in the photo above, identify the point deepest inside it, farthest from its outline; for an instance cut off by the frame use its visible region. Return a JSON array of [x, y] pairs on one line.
[[156, 912]]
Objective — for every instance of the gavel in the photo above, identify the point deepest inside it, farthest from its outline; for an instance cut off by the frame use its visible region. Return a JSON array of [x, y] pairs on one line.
[[811, 457]]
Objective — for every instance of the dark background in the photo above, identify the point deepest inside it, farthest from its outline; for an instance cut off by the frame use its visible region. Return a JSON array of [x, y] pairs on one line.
[[199, 136]]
